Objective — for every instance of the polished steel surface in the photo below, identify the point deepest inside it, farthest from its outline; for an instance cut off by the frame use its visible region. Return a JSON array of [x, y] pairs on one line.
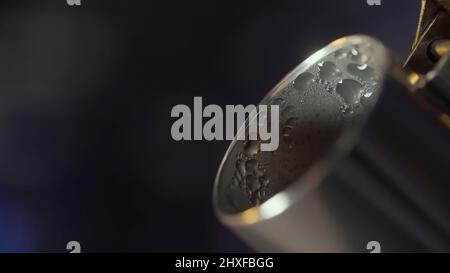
[[358, 171]]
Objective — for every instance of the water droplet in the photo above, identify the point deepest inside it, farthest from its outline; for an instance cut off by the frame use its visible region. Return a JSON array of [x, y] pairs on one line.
[[259, 196], [264, 180], [258, 171], [363, 71], [358, 56], [251, 148], [367, 99], [238, 175], [304, 81], [251, 165], [362, 66], [341, 53], [240, 165], [252, 182], [350, 91], [250, 193], [328, 71]]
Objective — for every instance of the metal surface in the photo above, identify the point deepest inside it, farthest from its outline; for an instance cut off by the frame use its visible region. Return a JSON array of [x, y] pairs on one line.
[[348, 171], [440, 48], [433, 25]]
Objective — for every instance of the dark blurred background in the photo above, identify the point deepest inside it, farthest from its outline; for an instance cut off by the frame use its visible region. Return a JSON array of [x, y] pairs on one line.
[[85, 98]]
